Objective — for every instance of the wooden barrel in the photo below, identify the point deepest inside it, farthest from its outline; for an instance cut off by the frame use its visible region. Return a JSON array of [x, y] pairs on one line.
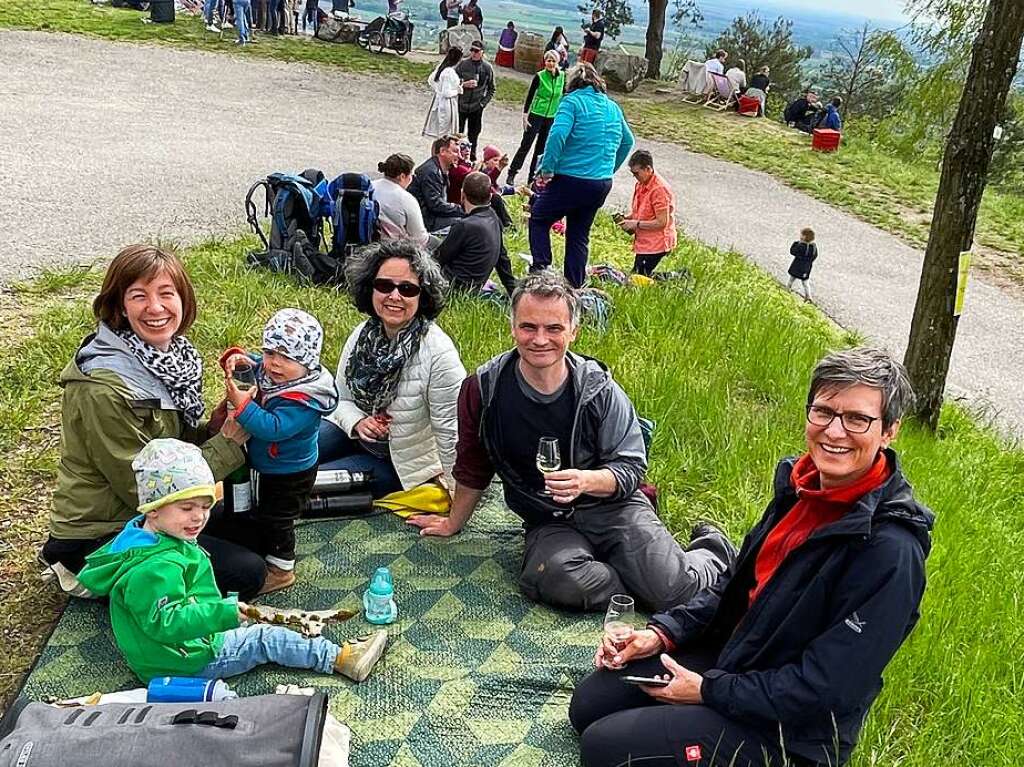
[[530, 52]]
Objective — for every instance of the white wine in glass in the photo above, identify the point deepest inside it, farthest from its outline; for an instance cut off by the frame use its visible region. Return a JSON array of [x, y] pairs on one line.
[[549, 458], [619, 620]]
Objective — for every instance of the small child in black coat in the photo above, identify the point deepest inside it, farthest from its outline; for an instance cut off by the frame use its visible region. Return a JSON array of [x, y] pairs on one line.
[[804, 251]]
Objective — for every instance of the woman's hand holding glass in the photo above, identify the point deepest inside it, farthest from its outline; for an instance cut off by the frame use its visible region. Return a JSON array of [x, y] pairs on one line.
[[374, 428], [639, 644]]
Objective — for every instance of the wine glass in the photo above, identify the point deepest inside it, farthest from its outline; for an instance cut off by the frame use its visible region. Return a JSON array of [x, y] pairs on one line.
[[549, 458], [244, 376], [619, 620]]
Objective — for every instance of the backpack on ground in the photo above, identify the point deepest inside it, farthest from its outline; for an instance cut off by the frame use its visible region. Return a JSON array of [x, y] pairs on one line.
[[354, 214], [296, 205]]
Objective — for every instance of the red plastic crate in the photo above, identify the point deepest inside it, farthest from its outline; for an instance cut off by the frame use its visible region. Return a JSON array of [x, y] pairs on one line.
[[825, 140]]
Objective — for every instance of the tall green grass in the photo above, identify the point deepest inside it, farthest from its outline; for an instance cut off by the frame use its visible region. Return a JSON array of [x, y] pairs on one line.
[[723, 369]]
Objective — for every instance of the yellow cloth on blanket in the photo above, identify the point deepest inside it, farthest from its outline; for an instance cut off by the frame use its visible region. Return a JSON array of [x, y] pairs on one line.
[[428, 498]]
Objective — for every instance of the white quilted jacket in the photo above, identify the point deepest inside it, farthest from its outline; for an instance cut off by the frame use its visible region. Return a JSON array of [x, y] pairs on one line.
[[424, 412]]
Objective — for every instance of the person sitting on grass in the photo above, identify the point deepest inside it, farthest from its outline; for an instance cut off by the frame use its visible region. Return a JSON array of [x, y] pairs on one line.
[[652, 220], [780, 662], [590, 532], [136, 378], [167, 615], [430, 184], [282, 415], [802, 113], [831, 119], [474, 246]]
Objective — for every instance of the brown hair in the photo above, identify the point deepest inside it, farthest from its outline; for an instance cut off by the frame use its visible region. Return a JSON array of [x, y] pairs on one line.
[[807, 234], [584, 74], [142, 262], [396, 165], [442, 141], [477, 188]]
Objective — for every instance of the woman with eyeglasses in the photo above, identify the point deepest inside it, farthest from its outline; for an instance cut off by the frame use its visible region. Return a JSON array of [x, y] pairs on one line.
[[780, 662], [399, 375]]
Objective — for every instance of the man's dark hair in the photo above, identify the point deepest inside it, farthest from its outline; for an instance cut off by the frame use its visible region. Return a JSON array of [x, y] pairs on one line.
[[477, 188], [597, 12], [641, 158], [441, 142], [837, 102]]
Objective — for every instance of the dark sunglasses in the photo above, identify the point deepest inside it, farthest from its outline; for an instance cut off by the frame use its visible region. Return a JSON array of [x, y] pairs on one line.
[[405, 289]]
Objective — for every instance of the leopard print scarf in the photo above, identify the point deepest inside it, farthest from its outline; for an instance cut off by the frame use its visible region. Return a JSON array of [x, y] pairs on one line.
[[179, 369]]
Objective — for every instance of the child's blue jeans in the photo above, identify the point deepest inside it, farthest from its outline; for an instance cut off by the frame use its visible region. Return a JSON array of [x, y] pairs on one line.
[[247, 647]]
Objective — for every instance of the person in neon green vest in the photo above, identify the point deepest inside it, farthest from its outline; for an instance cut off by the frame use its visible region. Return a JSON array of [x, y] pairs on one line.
[[542, 102]]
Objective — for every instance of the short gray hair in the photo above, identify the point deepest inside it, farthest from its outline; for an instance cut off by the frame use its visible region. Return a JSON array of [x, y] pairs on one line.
[[547, 284], [869, 366]]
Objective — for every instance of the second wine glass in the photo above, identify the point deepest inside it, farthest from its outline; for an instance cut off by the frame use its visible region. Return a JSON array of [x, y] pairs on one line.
[[549, 458]]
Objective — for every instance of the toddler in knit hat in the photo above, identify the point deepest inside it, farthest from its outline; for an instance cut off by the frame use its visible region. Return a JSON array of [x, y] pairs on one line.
[[166, 612], [282, 416]]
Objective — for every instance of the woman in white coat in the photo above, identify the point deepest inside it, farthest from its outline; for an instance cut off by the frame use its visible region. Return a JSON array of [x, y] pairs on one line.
[[399, 375], [443, 115]]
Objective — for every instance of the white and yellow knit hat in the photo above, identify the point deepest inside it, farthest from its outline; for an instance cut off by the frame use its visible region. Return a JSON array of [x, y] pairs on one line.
[[169, 470]]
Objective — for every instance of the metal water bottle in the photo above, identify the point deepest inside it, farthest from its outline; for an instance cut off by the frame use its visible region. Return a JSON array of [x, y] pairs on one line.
[[186, 689]]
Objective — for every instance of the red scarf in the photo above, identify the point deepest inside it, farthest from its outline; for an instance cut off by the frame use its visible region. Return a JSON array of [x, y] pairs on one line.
[[814, 509]]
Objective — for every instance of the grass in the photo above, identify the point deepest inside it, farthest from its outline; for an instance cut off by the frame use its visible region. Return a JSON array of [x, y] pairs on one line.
[[862, 179], [722, 368]]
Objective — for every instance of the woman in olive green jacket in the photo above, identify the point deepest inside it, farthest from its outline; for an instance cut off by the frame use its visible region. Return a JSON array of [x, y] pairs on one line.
[[542, 102], [134, 380]]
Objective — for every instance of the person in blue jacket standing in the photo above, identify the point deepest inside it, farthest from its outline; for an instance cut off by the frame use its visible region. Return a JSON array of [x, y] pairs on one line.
[[589, 140]]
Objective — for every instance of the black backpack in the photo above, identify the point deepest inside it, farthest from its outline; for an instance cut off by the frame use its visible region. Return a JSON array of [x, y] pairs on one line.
[[442, 8], [297, 206]]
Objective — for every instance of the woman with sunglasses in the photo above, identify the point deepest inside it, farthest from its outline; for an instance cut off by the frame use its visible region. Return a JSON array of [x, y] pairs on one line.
[[399, 375], [780, 662]]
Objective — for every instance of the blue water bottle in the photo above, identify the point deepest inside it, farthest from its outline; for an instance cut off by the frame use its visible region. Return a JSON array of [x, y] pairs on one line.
[[379, 599], [186, 689]]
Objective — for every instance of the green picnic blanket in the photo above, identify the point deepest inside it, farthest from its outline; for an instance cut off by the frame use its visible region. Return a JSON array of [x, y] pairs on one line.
[[474, 673]]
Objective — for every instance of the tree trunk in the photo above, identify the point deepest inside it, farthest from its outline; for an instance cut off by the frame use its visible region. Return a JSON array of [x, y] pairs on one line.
[[655, 37], [994, 60]]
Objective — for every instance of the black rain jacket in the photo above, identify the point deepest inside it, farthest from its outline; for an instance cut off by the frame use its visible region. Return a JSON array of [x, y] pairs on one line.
[[807, 657]]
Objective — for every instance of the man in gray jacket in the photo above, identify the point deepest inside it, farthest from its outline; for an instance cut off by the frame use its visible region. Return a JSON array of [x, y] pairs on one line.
[[474, 98], [590, 532]]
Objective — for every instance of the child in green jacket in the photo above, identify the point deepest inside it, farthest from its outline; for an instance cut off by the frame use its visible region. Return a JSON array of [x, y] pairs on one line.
[[167, 614]]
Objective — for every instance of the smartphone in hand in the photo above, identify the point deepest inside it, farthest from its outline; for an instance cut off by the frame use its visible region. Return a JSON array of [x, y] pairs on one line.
[[648, 681]]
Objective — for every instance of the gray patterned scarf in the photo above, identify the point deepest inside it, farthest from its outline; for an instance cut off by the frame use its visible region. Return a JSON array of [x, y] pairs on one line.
[[377, 362]]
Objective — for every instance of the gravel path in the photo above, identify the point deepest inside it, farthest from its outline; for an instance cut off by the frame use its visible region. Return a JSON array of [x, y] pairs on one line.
[[106, 143]]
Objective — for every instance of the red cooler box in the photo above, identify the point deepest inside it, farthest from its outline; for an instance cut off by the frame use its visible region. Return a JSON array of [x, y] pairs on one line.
[[825, 140]]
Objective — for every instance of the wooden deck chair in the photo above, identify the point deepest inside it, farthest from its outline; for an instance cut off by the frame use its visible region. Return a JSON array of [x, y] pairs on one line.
[[693, 82], [723, 96]]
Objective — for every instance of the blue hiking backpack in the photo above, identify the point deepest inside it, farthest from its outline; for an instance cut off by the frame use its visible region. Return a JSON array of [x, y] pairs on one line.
[[353, 213], [297, 206]]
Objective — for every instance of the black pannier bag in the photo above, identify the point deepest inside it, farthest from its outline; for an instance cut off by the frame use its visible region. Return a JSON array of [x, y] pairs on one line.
[[263, 731]]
